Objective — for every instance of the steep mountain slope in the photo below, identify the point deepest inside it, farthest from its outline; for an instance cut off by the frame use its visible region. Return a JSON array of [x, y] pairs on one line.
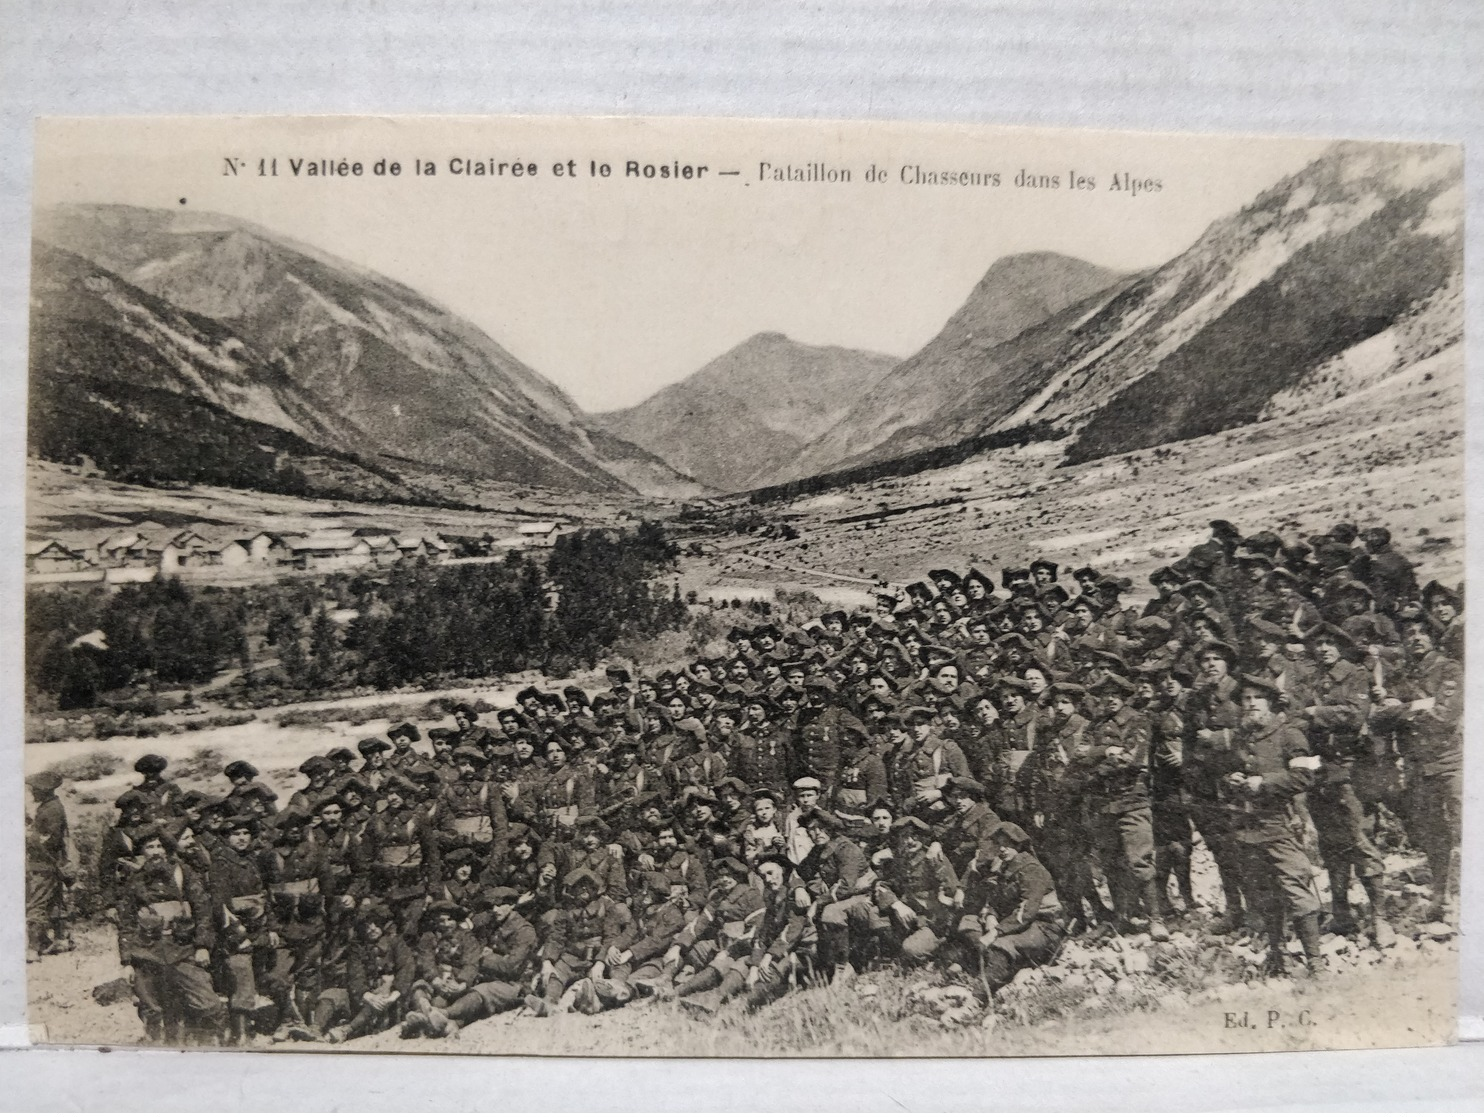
[[1328, 257], [360, 363], [912, 408], [731, 423]]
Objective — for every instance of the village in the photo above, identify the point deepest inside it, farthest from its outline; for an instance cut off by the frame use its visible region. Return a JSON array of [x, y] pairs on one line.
[[150, 550]]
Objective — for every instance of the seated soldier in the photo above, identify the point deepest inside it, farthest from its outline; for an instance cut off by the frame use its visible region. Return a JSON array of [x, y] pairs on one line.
[[1011, 918], [588, 936], [509, 948]]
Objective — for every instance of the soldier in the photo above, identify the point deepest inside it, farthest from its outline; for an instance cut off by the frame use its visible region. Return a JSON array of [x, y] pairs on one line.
[[447, 968], [118, 847], [379, 977], [1424, 708], [165, 939], [401, 852], [913, 898], [1173, 836], [298, 874], [51, 868], [1273, 765], [919, 771], [162, 793], [589, 935], [1012, 918], [403, 755], [1211, 716], [244, 933], [823, 733], [958, 836], [470, 811], [1117, 759], [509, 946], [785, 941], [1336, 704]]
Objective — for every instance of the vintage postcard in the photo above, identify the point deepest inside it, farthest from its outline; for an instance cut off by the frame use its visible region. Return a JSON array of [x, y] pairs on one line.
[[669, 587]]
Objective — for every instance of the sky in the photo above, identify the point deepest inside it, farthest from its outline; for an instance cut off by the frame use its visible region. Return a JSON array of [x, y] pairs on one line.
[[614, 287]]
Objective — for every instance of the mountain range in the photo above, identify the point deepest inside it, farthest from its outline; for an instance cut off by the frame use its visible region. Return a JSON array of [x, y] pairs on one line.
[[735, 421], [226, 316], [249, 351]]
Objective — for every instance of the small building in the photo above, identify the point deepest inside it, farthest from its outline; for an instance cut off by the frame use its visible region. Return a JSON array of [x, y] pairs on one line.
[[541, 533], [52, 556], [329, 552]]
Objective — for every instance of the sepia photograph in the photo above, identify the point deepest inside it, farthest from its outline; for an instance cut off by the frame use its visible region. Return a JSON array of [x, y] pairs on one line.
[[675, 587]]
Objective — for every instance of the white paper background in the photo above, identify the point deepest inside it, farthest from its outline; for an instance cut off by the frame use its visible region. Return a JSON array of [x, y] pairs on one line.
[[1383, 69]]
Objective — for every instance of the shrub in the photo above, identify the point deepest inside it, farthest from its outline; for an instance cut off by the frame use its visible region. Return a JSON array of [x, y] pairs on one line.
[[89, 766]]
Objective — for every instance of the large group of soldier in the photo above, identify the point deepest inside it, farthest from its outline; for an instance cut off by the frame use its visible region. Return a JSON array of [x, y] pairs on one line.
[[963, 778]]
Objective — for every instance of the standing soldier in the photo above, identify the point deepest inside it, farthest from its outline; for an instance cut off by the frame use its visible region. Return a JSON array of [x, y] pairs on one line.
[[1118, 804], [165, 938], [1424, 709], [1211, 716], [1172, 833], [1272, 767], [245, 936], [51, 868], [1336, 706]]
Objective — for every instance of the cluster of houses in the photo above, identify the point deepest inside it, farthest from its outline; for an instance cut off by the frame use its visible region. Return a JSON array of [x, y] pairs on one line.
[[142, 553]]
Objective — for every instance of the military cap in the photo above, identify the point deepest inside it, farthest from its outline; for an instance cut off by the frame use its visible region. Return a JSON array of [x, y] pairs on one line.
[[405, 729], [1111, 681], [821, 818], [471, 754], [290, 817], [862, 620], [1053, 595], [1344, 532], [240, 770], [1331, 634], [808, 783], [520, 832], [894, 720], [1009, 833], [911, 822], [1085, 573], [915, 714], [820, 683], [150, 764], [921, 589], [1265, 541], [367, 745], [340, 755], [1015, 639], [1071, 690], [575, 696], [50, 780], [500, 895], [333, 799], [1113, 585], [1152, 624], [423, 774], [729, 866], [374, 911], [735, 785], [470, 713], [1164, 576], [314, 765], [358, 785], [1220, 647], [454, 911], [591, 822], [579, 877], [1195, 585], [1344, 584], [620, 674], [777, 859], [244, 822], [527, 692], [456, 857], [155, 832], [192, 798], [766, 630], [1266, 683], [1204, 555], [769, 794], [944, 575], [1284, 574], [1011, 575], [965, 785], [1225, 529], [1044, 564], [441, 734], [1012, 683], [1435, 590], [889, 600], [399, 783]]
